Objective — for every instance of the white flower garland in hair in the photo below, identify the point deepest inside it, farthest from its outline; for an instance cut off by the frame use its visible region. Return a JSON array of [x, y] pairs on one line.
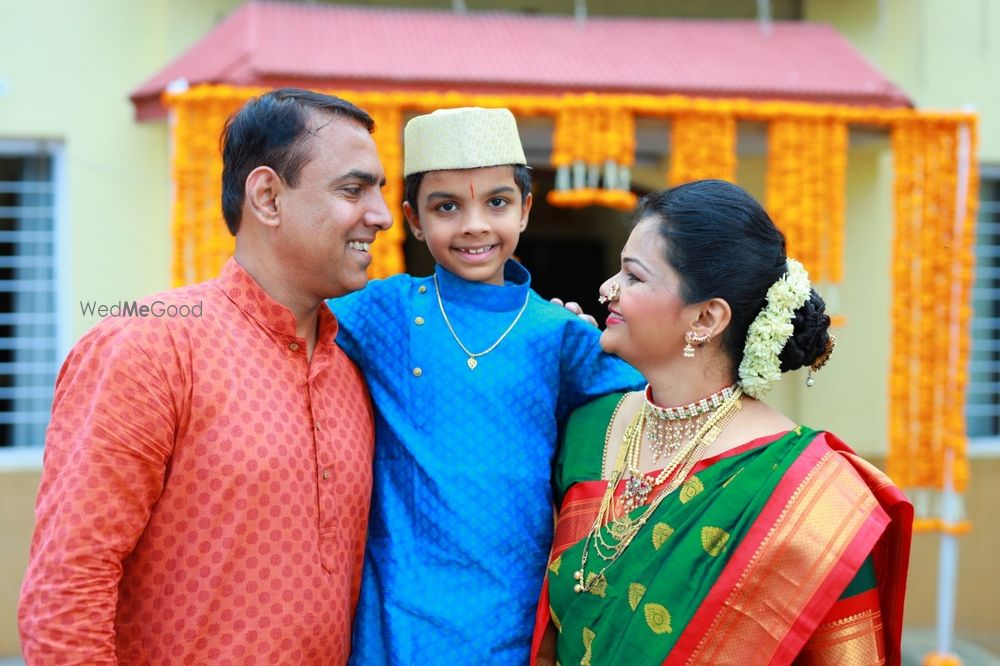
[[771, 329]]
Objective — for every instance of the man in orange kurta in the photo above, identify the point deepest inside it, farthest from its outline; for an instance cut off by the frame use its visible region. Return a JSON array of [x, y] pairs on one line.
[[208, 463]]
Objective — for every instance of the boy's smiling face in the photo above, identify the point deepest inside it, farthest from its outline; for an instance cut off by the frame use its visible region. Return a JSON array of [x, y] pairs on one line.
[[471, 220]]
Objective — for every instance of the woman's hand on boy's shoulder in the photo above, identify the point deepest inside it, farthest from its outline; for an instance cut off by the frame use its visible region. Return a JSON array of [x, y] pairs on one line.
[[575, 308]]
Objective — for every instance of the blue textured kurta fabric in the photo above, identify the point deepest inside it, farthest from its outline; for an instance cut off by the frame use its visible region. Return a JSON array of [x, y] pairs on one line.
[[461, 516]]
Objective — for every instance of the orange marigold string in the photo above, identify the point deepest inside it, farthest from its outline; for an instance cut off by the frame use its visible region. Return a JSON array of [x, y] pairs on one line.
[[962, 301], [932, 268], [593, 147], [702, 145], [387, 256], [901, 427], [806, 177]]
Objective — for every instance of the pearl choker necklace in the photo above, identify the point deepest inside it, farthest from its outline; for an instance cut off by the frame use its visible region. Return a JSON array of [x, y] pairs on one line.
[[691, 410]]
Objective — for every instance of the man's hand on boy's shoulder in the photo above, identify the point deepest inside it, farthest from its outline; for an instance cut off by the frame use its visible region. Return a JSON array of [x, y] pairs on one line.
[[575, 308]]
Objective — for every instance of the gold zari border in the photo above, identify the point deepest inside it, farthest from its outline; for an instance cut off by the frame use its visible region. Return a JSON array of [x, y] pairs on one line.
[[819, 521], [853, 640]]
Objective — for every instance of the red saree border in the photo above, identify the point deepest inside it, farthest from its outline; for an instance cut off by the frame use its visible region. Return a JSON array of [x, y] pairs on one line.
[[737, 450], [543, 617], [577, 516], [891, 554], [820, 484], [849, 561], [584, 497], [717, 596], [852, 605], [852, 633]]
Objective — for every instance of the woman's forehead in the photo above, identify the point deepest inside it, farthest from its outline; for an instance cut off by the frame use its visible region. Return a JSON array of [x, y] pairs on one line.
[[645, 237]]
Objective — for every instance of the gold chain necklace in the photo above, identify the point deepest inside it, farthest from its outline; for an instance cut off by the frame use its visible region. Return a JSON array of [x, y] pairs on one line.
[[472, 362], [624, 529]]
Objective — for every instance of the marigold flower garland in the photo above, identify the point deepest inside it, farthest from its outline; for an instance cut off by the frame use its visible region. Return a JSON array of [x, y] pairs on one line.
[[593, 150], [201, 241], [806, 179], [932, 271], [702, 145], [386, 251], [182, 220]]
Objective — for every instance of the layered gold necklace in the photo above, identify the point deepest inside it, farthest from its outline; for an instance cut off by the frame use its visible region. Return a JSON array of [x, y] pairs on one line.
[[622, 529]]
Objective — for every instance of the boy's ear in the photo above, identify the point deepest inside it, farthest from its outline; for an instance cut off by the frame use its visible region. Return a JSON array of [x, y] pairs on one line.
[[413, 221], [262, 189], [525, 209]]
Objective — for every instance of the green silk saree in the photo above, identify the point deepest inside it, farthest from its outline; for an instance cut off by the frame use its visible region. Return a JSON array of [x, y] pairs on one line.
[[741, 564]]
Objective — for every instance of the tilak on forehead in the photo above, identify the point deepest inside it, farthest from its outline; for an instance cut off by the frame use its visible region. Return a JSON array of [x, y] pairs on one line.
[[465, 138]]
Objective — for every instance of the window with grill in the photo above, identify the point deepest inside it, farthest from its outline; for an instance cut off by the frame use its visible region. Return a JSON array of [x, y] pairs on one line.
[[983, 407], [29, 327]]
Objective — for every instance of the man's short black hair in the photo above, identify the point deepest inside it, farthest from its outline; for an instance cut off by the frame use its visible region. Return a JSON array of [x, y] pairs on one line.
[[271, 130]]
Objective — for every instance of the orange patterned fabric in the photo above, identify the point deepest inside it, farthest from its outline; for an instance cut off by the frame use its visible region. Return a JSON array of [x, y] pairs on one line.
[[826, 513], [575, 520], [851, 633], [205, 491]]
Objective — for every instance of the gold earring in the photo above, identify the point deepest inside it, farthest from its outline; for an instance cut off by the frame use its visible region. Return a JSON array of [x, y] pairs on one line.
[[691, 339], [612, 296]]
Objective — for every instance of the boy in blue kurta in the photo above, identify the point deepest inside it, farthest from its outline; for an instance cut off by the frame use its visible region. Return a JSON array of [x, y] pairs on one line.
[[471, 373]]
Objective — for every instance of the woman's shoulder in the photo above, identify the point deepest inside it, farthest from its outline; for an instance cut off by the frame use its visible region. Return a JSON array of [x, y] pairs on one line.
[[600, 410], [755, 421], [581, 451]]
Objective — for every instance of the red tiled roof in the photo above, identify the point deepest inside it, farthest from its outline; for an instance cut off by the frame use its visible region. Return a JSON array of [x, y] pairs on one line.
[[276, 43]]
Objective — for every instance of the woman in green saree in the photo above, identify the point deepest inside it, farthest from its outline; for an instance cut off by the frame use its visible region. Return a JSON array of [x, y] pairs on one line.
[[697, 524]]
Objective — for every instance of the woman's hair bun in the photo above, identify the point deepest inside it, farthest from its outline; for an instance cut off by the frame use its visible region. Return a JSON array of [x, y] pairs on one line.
[[810, 336]]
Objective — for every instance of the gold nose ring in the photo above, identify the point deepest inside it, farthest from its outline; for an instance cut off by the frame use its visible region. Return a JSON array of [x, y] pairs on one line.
[[612, 294]]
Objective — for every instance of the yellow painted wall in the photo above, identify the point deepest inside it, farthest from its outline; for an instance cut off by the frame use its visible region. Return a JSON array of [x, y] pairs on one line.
[[977, 615], [943, 53], [17, 502], [68, 68]]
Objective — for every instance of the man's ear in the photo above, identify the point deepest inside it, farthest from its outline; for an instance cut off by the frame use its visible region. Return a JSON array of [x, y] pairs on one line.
[[413, 220], [263, 187], [525, 209]]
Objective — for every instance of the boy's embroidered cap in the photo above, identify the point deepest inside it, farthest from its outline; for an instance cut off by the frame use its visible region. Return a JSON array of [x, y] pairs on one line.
[[466, 138]]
